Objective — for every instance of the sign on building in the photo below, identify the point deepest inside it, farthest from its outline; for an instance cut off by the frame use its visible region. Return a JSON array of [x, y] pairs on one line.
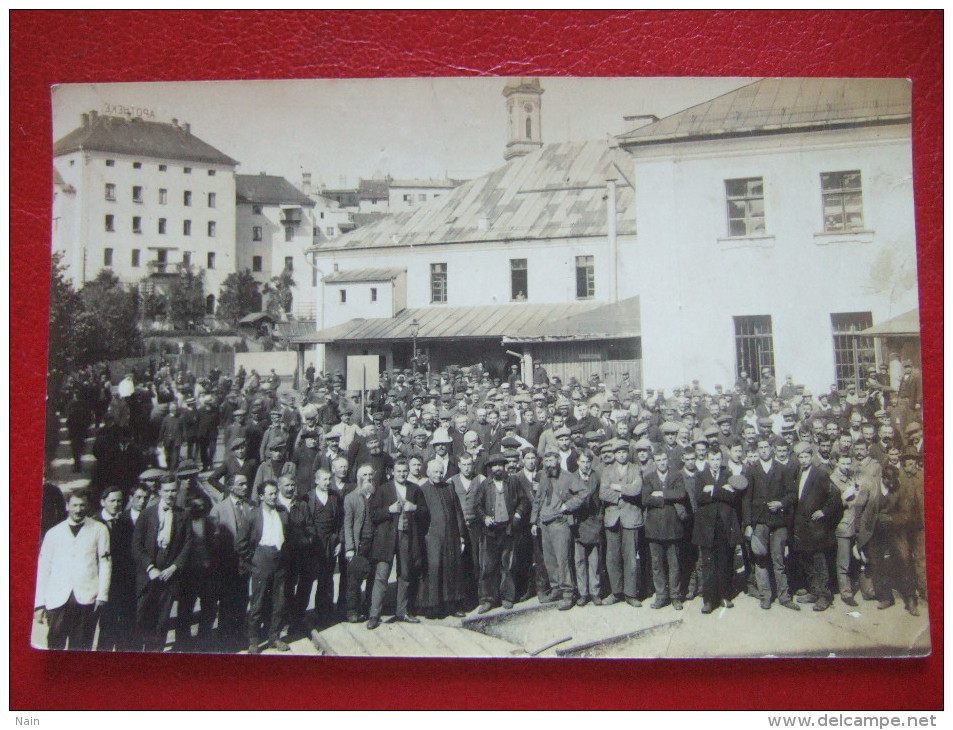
[[363, 372]]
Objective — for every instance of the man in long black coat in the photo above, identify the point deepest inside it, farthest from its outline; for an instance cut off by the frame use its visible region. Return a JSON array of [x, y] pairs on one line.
[[442, 586], [397, 509]]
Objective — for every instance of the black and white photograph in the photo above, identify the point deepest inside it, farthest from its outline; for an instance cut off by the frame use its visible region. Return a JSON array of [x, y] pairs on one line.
[[484, 367]]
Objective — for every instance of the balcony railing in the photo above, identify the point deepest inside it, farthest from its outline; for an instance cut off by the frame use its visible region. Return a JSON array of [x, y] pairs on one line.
[[161, 268]]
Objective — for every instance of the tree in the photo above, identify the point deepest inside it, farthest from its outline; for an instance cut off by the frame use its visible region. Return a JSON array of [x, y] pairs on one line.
[[187, 298], [106, 326], [239, 295], [64, 306], [278, 294]]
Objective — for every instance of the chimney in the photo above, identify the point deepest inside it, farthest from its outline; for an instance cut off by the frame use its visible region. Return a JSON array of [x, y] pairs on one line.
[[84, 119], [613, 242], [186, 127], [175, 122], [92, 116], [306, 182]]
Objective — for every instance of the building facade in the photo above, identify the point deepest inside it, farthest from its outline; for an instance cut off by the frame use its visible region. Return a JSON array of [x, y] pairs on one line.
[[148, 197], [764, 228]]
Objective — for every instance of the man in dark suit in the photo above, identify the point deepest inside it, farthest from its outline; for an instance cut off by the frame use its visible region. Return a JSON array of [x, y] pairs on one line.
[[358, 540], [117, 620], [530, 569], [229, 519], [666, 505], [768, 510], [264, 549], [161, 542], [396, 509], [816, 515], [467, 484], [501, 507], [321, 513], [235, 463]]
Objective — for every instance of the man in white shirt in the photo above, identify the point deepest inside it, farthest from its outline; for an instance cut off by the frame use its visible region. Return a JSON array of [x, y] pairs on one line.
[[265, 547], [73, 577]]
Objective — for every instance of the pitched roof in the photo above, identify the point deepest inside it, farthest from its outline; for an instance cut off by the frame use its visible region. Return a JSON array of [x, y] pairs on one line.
[[135, 136], [268, 190], [357, 275], [903, 325], [448, 323], [771, 106], [374, 189], [428, 183], [555, 192]]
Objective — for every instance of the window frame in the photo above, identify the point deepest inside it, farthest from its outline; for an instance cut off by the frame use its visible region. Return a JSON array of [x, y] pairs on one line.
[[187, 227], [163, 196], [211, 200], [517, 267], [257, 234], [162, 226], [110, 192], [137, 194], [210, 260], [110, 223], [747, 199], [256, 264], [211, 229], [108, 257], [135, 258], [137, 224], [842, 192], [586, 267], [187, 198], [439, 283], [754, 340]]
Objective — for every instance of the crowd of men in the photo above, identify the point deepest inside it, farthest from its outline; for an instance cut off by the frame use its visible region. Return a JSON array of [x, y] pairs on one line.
[[239, 502]]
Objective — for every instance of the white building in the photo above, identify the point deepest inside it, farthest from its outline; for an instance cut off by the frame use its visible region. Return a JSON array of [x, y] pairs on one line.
[[406, 194], [148, 196], [762, 228], [275, 225]]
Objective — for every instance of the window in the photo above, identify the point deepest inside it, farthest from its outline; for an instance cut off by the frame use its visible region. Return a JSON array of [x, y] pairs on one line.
[[585, 277], [407, 198], [110, 191], [136, 165], [163, 196], [211, 173], [422, 197], [186, 228], [322, 215], [852, 354], [373, 294], [330, 231], [289, 234], [107, 257], [137, 193], [110, 223], [745, 206], [529, 128], [163, 168], [137, 224], [210, 263], [187, 197], [438, 283], [256, 263], [289, 263], [211, 199], [256, 233], [843, 201], [135, 258], [210, 304], [342, 294], [519, 280], [754, 344], [187, 170], [256, 210], [162, 223], [187, 258], [211, 229], [110, 163]]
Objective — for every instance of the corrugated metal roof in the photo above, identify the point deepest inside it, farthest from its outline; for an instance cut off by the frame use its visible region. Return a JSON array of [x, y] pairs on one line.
[[777, 105], [357, 275], [612, 321], [556, 192], [269, 190], [436, 323], [906, 324], [137, 137]]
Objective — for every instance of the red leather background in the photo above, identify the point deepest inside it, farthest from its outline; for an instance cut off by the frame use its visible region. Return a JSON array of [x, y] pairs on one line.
[[56, 47]]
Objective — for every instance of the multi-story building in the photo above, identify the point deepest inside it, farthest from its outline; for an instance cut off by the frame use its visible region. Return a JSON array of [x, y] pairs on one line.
[[766, 227], [274, 226], [407, 194], [148, 196]]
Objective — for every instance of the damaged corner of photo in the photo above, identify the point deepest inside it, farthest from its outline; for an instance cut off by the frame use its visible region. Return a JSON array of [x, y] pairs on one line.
[[531, 367]]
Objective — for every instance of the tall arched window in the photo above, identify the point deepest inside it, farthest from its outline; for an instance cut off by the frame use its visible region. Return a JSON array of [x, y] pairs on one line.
[[529, 128], [210, 304]]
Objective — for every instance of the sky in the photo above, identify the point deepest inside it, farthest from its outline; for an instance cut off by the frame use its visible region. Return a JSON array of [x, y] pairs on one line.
[[340, 130]]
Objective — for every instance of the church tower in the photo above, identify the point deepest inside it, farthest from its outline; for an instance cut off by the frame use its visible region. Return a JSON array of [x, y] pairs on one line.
[[524, 133]]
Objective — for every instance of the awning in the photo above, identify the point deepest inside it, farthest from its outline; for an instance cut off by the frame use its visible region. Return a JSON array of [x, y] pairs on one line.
[[903, 325], [509, 322]]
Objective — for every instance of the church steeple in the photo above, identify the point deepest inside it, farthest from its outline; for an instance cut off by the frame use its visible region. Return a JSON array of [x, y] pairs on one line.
[[524, 132]]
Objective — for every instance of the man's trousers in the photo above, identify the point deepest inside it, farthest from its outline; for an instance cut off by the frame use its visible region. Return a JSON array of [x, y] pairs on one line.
[[666, 569], [622, 560], [73, 622], [557, 547], [588, 561], [405, 580], [267, 591], [496, 576], [765, 565]]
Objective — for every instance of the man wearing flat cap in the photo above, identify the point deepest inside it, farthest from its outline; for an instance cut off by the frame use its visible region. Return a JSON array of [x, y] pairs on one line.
[[620, 490]]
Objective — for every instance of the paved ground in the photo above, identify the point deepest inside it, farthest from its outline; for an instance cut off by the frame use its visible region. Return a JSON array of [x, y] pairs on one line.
[[609, 631]]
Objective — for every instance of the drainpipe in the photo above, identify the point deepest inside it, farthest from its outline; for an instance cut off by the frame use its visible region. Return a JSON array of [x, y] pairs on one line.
[[613, 242]]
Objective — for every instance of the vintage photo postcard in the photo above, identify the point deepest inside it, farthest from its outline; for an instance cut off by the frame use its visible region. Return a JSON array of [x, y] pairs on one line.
[[497, 367]]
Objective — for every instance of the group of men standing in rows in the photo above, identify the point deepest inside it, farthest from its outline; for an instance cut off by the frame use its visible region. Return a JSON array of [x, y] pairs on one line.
[[480, 494]]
